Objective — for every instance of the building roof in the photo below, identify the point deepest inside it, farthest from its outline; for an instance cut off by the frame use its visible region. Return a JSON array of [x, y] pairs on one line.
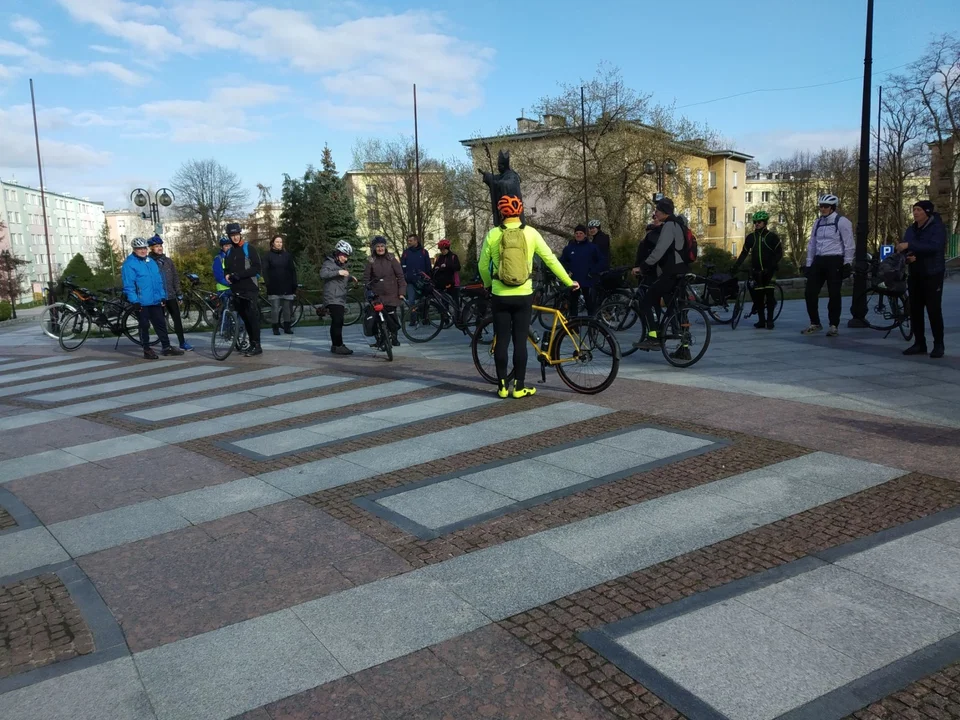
[[66, 196]]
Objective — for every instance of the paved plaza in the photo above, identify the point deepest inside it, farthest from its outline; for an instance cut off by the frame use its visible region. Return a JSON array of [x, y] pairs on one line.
[[773, 533]]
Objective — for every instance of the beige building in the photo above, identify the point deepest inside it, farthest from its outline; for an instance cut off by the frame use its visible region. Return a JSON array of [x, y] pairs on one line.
[[707, 186], [385, 203], [125, 225]]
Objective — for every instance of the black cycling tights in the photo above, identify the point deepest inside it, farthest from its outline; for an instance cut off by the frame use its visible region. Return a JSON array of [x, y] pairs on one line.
[[511, 319]]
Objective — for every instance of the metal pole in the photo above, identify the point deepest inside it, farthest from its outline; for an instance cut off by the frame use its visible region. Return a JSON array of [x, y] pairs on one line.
[[859, 308], [43, 198], [583, 142], [876, 202], [416, 152]]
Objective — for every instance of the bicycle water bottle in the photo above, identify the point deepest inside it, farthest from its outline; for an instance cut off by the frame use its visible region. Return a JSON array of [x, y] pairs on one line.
[[532, 334], [545, 342]]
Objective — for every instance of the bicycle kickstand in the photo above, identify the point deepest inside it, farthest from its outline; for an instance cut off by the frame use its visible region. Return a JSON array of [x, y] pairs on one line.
[[543, 373]]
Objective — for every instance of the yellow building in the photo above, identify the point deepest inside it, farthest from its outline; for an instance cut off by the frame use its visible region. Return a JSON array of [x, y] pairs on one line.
[[384, 202], [707, 186]]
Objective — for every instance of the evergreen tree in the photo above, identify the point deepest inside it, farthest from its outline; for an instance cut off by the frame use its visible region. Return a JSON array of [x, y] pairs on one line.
[[78, 270], [12, 279], [108, 259]]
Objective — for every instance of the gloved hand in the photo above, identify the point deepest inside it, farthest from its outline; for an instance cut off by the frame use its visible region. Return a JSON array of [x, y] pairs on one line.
[[846, 271], [137, 308], [179, 298], [807, 271]]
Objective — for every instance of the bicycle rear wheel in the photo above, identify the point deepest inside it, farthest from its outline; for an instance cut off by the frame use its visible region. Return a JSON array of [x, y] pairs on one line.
[[296, 312], [224, 336], [130, 325], [881, 310], [686, 336], [424, 322], [903, 307], [481, 347], [74, 328], [619, 317], [738, 306], [52, 316], [592, 352], [385, 340], [352, 312], [191, 314], [778, 295]]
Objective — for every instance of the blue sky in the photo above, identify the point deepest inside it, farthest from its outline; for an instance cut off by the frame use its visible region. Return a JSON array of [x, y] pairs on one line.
[[129, 89]]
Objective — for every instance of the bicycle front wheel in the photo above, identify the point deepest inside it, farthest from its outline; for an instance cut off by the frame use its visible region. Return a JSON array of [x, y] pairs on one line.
[[589, 355], [352, 312], [191, 315], [778, 294], [738, 307], [224, 335], [686, 336], [903, 307], [423, 322], [385, 340], [481, 347], [52, 316], [74, 328], [881, 310]]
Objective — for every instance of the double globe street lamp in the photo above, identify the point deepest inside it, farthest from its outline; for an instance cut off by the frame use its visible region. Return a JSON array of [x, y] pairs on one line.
[[660, 170], [162, 197]]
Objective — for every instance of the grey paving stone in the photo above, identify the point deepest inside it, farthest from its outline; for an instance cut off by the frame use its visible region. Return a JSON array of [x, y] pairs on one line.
[[773, 492], [947, 533], [13, 377], [280, 442], [27, 549], [292, 386], [235, 669], [837, 471], [654, 443], [87, 377], [111, 690], [571, 411], [27, 419], [507, 579], [743, 663], [111, 528], [228, 498], [189, 431], [594, 460], [386, 619], [315, 476], [861, 618], [113, 447], [218, 402], [921, 567], [431, 407], [249, 419], [166, 412], [525, 479], [341, 429], [444, 503], [34, 362], [394, 456], [88, 389], [352, 397], [28, 465]]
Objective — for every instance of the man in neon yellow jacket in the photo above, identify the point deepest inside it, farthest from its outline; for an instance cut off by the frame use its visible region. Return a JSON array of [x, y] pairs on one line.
[[513, 303]]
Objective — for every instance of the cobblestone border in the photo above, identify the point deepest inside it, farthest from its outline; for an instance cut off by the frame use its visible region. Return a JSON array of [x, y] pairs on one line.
[[552, 630], [97, 636], [14, 515], [830, 706]]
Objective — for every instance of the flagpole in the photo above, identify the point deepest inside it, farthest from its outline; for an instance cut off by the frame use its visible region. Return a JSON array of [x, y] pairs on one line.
[[43, 197]]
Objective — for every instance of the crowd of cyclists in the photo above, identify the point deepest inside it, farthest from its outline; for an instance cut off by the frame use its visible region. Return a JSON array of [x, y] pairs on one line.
[[511, 256]]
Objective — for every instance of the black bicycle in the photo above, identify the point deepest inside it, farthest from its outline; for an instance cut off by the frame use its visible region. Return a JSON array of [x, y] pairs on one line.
[[375, 320], [887, 301], [435, 310], [110, 317], [229, 333]]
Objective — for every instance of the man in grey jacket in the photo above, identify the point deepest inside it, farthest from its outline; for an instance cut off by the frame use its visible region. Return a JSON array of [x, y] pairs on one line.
[[667, 262], [171, 282]]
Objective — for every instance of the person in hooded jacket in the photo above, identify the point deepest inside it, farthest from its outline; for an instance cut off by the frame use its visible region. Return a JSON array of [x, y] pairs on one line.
[[336, 281], [171, 282], [143, 285], [446, 270], [280, 274], [765, 250], [925, 243], [644, 248], [599, 238], [241, 269], [384, 275], [582, 260]]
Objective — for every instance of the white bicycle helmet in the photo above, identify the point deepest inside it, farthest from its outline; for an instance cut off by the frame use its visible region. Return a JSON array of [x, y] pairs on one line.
[[593, 223], [344, 247], [828, 200], [139, 243]]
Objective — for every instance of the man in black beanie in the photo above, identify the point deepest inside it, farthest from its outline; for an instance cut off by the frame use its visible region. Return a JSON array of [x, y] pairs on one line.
[[666, 260], [925, 243]]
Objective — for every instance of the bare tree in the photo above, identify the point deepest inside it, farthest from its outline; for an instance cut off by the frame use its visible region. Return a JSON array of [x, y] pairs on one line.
[[12, 278], [934, 79], [208, 194], [795, 202], [263, 222], [392, 165], [468, 214]]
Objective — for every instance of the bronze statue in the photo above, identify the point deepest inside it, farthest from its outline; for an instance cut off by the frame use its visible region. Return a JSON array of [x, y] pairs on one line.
[[507, 182]]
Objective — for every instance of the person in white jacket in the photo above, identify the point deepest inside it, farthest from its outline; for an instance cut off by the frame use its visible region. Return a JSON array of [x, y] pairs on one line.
[[830, 261]]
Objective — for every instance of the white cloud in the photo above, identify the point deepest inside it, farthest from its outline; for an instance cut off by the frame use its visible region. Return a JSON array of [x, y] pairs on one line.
[[29, 28], [117, 72], [784, 143], [40, 63], [105, 50], [19, 151], [123, 20]]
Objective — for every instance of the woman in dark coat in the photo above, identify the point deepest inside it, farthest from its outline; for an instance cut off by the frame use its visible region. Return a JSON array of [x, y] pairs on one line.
[[385, 277], [925, 243], [280, 274]]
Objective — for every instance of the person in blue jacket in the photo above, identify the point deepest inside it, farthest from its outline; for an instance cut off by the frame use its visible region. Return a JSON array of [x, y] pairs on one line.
[[415, 260], [144, 287], [218, 275], [582, 260], [925, 243]]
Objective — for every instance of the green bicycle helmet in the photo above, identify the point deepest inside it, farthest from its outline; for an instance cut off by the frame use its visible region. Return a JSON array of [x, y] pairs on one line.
[[760, 216]]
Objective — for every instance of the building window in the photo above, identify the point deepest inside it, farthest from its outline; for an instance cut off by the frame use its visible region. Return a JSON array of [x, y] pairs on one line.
[[736, 178], [782, 194], [373, 219], [712, 179], [748, 197], [765, 197], [711, 216], [700, 184], [700, 216], [781, 218], [734, 214], [372, 194], [733, 248]]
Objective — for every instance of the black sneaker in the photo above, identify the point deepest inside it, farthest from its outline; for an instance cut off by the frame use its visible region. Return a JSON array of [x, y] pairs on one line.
[[149, 354], [342, 350], [916, 349], [760, 325], [253, 351], [937, 351], [172, 351], [647, 343], [395, 341], [770, 325]]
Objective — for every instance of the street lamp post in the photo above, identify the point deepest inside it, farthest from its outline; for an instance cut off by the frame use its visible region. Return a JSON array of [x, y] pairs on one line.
[[660, 170], [162, 197]]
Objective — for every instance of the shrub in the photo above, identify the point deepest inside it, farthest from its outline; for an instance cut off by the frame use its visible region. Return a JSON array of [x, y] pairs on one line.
[[6, 311]]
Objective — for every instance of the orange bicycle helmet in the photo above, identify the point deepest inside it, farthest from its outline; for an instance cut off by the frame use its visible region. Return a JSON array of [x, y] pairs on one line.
[[510, 206]]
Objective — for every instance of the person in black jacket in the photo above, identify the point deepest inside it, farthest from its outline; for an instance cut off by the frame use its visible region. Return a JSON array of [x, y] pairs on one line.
[[765, 251], [171, 281], [446, 270], [925, 243], [241, 267], [280, 274], [599, 238]]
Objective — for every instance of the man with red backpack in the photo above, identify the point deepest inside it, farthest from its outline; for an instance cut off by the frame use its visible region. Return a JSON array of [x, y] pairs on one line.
[[669, 259]]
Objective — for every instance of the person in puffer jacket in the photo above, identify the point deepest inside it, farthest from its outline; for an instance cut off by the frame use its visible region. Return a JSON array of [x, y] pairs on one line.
[[144, 289], [336, 280], [925, 243]]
